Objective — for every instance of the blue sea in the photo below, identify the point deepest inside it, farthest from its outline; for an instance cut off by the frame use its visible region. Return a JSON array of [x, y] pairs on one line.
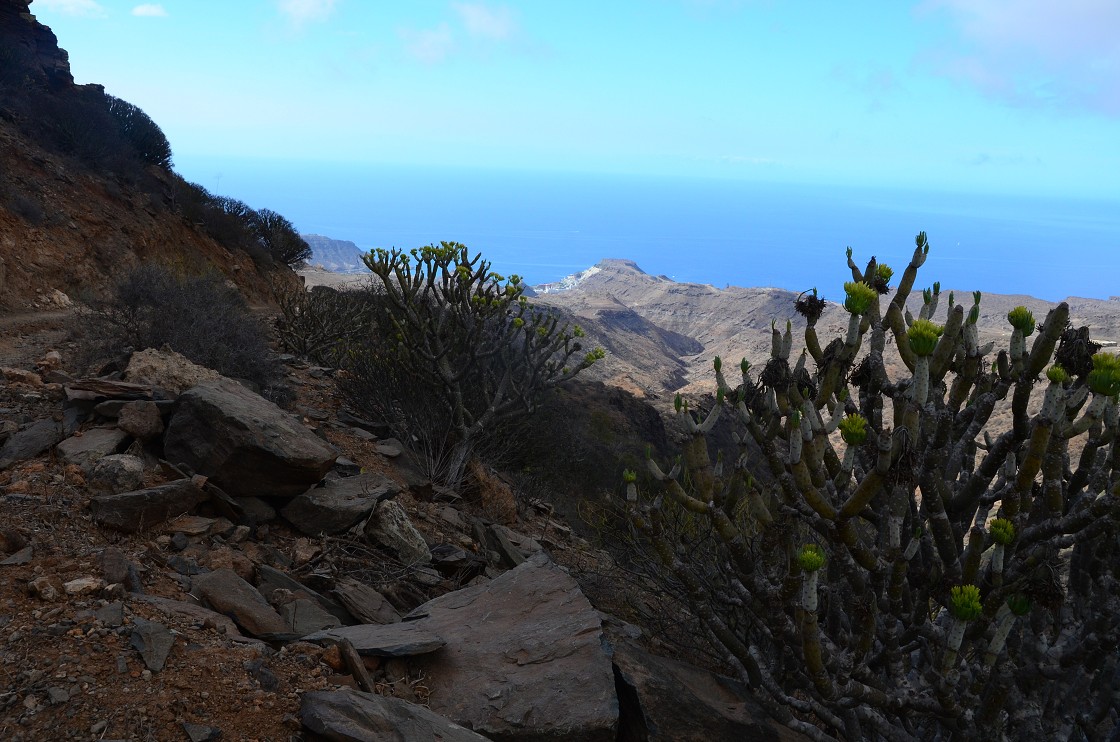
[[544, 226]]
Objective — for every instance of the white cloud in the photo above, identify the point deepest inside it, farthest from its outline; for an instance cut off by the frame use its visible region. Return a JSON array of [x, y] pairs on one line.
[[485, 22], [149, 10], [79, 8], [302, 12], [1035, 52], [431, 45]]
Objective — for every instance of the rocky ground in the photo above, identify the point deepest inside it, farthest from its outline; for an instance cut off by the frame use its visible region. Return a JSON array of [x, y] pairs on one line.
[[166, 573]]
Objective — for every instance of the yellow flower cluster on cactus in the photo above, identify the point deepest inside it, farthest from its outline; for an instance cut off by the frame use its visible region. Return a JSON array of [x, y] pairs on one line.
[[853, 429], [964, 601], [1022, 319], [859, 297], [923, 336], [1002, 530], [810, 557], [1104, 379]]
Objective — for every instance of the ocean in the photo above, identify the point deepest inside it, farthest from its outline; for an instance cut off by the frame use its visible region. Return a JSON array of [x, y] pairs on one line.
[[543, 226]]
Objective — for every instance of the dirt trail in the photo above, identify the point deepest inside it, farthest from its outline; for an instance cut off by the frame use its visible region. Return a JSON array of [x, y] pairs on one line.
[[25, 336]]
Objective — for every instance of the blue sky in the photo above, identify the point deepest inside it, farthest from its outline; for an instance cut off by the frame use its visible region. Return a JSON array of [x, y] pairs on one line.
[[1002, 96]]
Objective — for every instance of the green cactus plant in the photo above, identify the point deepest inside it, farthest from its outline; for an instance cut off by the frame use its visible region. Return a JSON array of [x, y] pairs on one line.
[[902, 502], [470, 346]]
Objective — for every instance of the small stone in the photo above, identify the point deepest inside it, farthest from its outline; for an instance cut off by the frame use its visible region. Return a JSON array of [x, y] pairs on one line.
[[57, 695], [201, 733], [153, 640], [83, 585], [122, 665], [99, 727], [179, 541], [46, 588]]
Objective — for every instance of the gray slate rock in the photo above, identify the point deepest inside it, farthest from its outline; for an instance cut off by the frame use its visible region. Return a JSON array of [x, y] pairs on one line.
[[85, 449], [524, 658], [23, 556], [29, 442], [391, 640], [246, 444], [270, 578], [352, 716], [153, 641], [671, 700], [304, 616], [364, 603], [130, 511], [337, 504], [228, 594]]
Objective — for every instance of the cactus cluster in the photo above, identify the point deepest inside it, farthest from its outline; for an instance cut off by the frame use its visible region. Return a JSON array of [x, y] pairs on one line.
[[471, 351], [969, 585]]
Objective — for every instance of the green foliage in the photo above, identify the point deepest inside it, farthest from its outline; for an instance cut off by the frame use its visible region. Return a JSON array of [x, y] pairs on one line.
[[810, 557], [964, 600], [1022, 319], [869, 654], [1104, 379], [1003, 531], [853, 429], [858, 297], [923, 336]]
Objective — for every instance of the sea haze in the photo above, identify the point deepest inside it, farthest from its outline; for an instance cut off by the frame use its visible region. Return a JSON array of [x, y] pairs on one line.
[[544, 225]]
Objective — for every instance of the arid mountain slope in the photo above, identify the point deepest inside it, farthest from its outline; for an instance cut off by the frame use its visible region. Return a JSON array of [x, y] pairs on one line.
[[735, 322], [72, 217]]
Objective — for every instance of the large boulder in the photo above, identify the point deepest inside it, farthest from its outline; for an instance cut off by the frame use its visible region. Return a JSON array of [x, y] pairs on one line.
[[524, 658], [246, 444], [350, 716]]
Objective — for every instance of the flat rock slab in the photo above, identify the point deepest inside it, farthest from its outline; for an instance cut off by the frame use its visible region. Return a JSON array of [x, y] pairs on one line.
[[524, 658], [227, 593], [29, 442], [351, 716], [246, 444], [337, 504], [364, 603], [384, 640], [86, 449], [130, 512]]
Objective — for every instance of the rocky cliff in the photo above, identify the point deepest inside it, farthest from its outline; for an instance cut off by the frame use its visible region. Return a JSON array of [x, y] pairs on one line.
[[337, 256]]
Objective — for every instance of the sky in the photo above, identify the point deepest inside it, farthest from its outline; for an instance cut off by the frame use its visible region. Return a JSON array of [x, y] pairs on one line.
[[993, 96]]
